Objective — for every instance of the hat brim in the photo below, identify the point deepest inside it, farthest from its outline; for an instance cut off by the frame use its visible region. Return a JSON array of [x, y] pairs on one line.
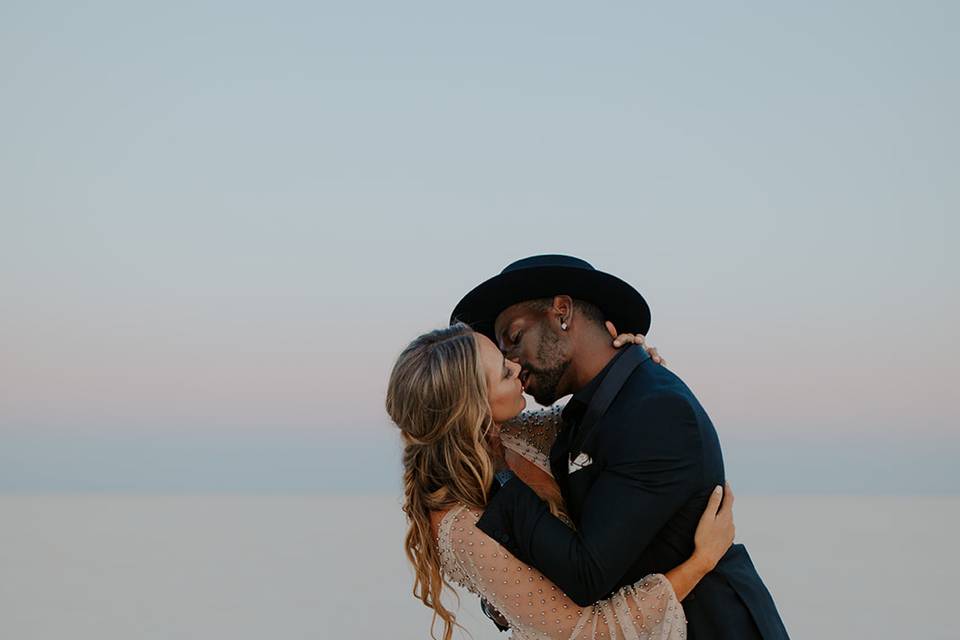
[[620, 303]]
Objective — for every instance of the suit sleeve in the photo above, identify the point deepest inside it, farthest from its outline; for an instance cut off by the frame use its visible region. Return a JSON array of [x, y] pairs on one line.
[[652, 466]]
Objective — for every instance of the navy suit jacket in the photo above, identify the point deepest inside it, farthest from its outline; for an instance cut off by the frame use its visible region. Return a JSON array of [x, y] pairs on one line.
[[655, 459]]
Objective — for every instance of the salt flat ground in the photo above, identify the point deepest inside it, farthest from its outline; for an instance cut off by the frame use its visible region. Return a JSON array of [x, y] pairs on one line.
[[112, 567]]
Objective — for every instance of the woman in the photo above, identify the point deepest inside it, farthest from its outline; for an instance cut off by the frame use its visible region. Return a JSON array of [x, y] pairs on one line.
[[448, 392]]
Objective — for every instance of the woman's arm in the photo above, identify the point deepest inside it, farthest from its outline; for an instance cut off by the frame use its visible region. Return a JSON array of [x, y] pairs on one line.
[[533, 606], [685, 577], [713, 537]]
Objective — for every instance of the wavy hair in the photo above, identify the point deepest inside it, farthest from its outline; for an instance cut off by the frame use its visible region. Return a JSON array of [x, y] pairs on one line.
[[437, 395]]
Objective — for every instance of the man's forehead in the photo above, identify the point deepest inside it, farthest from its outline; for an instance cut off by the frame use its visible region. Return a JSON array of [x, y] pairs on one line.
[[508, 315]]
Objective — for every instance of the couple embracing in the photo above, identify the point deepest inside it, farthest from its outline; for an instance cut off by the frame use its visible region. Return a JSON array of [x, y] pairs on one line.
[[608, 518]]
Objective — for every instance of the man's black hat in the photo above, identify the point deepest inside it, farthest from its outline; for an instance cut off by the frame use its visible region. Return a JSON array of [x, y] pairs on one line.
[[547, 276]]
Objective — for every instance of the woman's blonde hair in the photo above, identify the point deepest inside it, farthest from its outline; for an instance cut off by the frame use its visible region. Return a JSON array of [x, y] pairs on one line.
[[437, 395]]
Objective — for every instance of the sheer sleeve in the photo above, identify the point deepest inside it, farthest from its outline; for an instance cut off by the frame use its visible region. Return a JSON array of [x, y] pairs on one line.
[[538, 610], [531, 435]]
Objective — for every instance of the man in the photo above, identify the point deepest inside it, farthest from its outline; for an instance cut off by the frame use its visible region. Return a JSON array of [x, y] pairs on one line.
[[635, 459]]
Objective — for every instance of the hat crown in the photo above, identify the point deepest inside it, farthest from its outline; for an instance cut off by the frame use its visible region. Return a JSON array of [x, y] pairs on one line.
[[548, 260]]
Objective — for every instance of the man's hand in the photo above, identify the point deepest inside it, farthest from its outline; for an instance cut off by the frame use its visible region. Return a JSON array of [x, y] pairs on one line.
[[622, 339]]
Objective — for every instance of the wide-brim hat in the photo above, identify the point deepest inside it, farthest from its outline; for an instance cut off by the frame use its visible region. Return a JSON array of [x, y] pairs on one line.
[[547, 276]]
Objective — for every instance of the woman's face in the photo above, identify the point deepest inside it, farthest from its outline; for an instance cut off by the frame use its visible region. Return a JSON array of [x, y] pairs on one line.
[[504, 390]]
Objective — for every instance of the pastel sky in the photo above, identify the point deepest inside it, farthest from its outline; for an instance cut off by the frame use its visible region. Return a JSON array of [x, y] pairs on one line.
[[220, 223]]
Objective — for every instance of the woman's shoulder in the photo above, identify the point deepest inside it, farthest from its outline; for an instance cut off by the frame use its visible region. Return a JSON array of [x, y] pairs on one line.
[[444, 519], [532, 418]]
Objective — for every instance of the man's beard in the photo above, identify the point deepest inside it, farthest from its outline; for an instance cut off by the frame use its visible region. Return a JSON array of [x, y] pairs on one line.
[[548, 378]]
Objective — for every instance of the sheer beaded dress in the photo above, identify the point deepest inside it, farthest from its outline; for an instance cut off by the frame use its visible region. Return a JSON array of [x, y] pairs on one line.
[[531, 434], [535, 608]]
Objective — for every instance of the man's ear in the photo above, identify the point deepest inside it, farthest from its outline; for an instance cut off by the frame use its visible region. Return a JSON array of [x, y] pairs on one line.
[[563, 310]]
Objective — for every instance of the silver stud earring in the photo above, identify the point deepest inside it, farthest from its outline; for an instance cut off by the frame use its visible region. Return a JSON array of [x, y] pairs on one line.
[[563, 325]]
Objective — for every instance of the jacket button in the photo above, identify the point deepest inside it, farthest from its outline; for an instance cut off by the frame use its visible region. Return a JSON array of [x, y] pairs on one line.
[[504, 537]]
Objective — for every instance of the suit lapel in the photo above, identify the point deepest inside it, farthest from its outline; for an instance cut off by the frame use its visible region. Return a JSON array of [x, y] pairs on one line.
[[558, 456], [632, 358], [571, 437]]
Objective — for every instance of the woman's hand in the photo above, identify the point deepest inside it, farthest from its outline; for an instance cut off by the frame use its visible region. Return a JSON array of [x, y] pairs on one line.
[[715, 532], [622, 339], [713, 537]]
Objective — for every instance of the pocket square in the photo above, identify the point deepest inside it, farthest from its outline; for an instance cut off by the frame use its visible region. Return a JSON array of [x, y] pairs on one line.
[[581, 461]]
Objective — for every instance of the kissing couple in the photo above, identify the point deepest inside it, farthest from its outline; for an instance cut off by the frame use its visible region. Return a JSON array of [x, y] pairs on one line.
[[606, 518]]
